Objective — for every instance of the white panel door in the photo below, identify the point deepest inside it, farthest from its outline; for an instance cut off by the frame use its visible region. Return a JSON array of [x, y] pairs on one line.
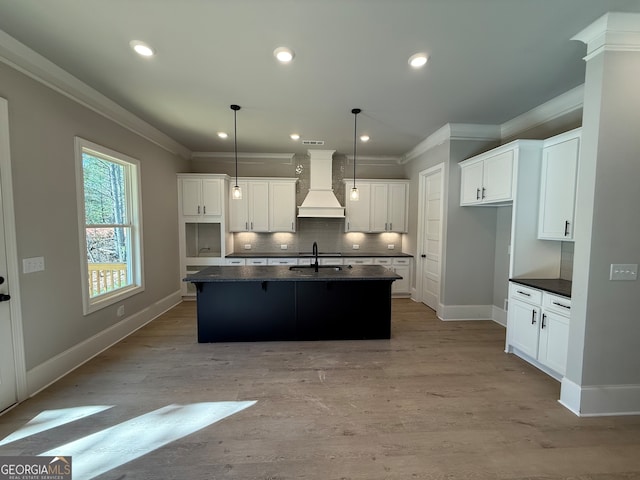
[[523, 327], [259, 206], [471, 184], [498, 178], [191, 196], [397, 207], [431, 264], [358, 212], [239, 210], [554, 341], [282, 207], [379, 206], [8, 384], [212, 197]]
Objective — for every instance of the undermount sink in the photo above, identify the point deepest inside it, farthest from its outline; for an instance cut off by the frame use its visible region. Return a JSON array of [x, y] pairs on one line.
[[306, 268]]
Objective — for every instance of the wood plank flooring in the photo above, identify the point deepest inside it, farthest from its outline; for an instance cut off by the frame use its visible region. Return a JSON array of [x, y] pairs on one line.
[[440, 400]]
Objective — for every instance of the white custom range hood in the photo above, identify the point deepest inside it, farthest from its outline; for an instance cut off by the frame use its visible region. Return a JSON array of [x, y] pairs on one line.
[[321, 201]]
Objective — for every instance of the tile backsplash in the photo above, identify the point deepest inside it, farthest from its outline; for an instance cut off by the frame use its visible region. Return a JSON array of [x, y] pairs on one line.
[[328, 232], [566, 261]]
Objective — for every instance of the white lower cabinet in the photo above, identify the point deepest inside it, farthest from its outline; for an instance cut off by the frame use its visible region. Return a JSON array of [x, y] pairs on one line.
[[401, 266], [538, 328], [282, 261]]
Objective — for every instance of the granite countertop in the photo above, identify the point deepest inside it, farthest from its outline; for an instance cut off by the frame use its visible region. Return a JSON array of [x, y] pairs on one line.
[[288, 254], [280, 273], [551, 285]]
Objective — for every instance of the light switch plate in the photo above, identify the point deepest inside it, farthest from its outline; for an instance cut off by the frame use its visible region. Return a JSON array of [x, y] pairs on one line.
[[34, 264], [391, 246], [284, 246], [356, 246], [623, 271]]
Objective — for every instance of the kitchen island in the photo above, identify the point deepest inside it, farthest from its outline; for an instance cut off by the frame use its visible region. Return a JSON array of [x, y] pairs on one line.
[[257, 303]]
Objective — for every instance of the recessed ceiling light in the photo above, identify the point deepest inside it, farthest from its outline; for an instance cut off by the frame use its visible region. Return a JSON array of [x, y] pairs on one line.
[[418, 60], [283, 54], [295, 136], [223, 134], [364, 138], [142, 48]]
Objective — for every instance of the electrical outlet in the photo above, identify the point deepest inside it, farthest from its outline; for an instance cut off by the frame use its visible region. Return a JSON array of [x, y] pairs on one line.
[[34, 264], [284, 246], [356, 246], [247, 246], [623, 271], [391, 246]]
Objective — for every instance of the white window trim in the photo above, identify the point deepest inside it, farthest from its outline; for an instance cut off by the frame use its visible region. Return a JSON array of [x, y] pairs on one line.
[[90, 305]]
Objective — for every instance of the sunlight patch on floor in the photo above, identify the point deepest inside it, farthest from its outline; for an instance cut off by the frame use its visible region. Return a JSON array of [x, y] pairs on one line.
[[51, 419], [114, 446]]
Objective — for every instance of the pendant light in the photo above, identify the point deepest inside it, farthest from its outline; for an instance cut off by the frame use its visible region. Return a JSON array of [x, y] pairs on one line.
[[355, 194], [236, 192]]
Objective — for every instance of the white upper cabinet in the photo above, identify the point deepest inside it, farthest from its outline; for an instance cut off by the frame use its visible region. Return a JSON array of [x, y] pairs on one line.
[[558, 186], [488, 178], [267, 205], [358, 211], [201, 197], [282, 206]]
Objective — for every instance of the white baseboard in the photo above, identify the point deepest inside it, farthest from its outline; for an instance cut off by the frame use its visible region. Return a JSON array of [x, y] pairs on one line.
[[499, 315], [43, 375], [600, 400], [465, 312]]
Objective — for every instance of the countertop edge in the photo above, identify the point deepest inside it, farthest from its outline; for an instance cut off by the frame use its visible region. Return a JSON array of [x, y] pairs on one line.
[[557, 286]]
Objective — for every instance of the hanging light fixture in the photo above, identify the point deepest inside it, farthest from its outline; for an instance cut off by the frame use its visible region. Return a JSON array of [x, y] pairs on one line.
[[236, 192], [355, 194]]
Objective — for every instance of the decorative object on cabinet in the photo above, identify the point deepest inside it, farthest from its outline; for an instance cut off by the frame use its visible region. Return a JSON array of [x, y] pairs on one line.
[[355, 195], [558, 183], [236, 191], [538, 328]]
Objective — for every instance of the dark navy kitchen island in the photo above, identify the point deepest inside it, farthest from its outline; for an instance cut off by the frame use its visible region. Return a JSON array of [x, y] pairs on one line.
[[268, 303]]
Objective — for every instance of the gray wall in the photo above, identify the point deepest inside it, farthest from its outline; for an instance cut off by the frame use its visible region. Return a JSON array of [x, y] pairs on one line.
[[42, 126], [603, 348], [503, 244]]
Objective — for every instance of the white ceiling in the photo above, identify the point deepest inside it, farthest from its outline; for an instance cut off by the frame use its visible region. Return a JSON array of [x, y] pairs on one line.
[[490, 61]]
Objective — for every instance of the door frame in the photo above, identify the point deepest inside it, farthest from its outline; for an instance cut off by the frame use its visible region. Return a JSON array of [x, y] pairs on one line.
[[420, 261], [11, 245]]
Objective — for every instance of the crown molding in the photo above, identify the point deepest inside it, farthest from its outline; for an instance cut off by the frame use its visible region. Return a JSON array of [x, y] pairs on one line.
[[245, 157], [23, 59], [453, 131], [614, 31], [556, 107], [376, 160]]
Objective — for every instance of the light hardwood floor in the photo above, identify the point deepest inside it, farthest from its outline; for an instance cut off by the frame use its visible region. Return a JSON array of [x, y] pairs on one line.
[[440, 400]]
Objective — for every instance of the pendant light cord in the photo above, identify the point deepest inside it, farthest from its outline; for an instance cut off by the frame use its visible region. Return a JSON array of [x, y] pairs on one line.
[[235, 109], [355, 112]]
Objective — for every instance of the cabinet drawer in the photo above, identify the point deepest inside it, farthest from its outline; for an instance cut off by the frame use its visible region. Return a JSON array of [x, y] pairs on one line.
[[256, 261], [383, 261], [282, 261], [526, 294], [235, 261], [359, 261], [556, 303], [330, 261], [402, 261]]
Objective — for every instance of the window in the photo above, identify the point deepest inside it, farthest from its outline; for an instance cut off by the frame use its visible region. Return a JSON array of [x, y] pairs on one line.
[[109, 212]]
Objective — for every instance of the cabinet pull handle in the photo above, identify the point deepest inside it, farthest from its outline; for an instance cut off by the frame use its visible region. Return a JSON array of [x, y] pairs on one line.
[[246, 225], [198, 209], [561, 305], [544, 317], [348, 225], [566, 228], [292, 226], [251, 225], [204, 210], [390, 226], [483, 191], [533, 317], [477, 194], [523, 293]]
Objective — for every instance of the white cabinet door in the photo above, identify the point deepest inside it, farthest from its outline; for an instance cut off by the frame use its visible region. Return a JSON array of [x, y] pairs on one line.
[[396, 209], [212, 197], [523, 327], [401, 286], [239, 210], [557, 190], [497, 177], [191, 193], [258, 206], [379, 202], [358, 212], [471, 183], [282, 207], [554, 341]]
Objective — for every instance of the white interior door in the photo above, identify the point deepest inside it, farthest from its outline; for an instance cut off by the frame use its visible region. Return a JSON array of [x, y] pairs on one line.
[[431, 235], [8, 377]]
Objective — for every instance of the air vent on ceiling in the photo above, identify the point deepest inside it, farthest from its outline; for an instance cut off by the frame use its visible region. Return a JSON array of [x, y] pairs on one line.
[[313, 142]]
